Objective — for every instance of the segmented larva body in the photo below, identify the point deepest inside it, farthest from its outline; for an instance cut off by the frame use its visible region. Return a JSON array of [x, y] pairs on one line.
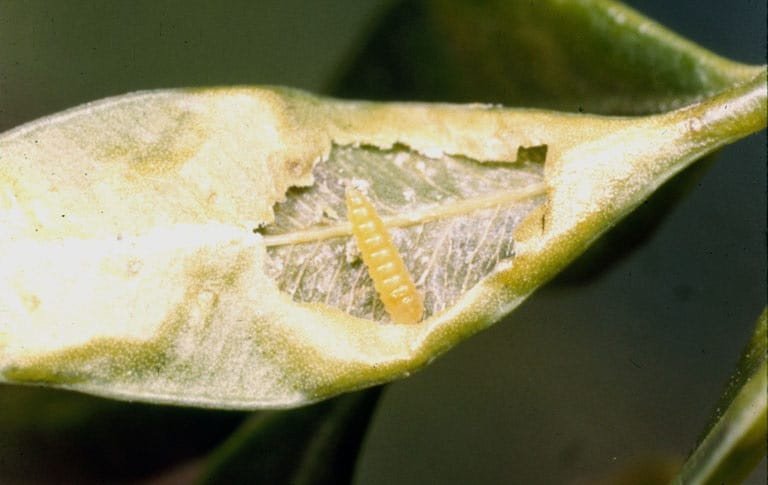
[[390, 277]]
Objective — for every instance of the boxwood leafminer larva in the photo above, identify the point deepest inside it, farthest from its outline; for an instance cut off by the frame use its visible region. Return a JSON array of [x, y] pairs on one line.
[[390, 277]]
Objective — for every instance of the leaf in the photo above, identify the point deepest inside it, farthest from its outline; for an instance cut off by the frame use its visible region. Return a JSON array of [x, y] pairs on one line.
[[314, 445], [84, 439], [594, 55], [736, 439], [153, 248], [597, 56]]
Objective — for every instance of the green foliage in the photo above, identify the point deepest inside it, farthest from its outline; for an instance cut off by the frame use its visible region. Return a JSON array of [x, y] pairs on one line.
[[735, 441], [315, 445]]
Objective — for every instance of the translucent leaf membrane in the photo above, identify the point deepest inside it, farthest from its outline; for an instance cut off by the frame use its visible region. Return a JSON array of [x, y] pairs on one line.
[[451, 218]]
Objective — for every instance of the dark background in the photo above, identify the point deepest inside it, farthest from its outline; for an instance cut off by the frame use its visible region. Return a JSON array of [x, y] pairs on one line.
[[582, 379]]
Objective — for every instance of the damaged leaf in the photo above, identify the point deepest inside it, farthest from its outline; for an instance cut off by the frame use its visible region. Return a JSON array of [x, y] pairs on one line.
[[193, 247], [213, 268], [450, 218]]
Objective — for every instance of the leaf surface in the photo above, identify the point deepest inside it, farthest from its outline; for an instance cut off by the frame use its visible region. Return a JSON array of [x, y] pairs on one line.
[[597, 56], [314, 445], [735, 441]]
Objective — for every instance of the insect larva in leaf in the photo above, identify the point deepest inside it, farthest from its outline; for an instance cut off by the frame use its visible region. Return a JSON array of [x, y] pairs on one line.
[[390, 277]]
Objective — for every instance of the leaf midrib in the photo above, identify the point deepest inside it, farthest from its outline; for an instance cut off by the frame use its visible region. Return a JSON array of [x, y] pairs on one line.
[[431, 213]]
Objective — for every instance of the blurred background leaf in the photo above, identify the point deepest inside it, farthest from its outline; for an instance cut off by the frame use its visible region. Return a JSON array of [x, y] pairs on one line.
[[735, 440], [585, 56], [314, 445], [62, 437]]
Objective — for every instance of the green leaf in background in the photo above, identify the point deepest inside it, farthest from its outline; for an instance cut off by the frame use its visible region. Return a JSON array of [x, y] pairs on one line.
[[736, 440], [86, 439], [313, 445], [190, 246], [595, 56]]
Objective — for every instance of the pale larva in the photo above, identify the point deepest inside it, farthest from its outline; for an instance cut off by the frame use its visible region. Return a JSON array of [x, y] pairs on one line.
[[390, 277]]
